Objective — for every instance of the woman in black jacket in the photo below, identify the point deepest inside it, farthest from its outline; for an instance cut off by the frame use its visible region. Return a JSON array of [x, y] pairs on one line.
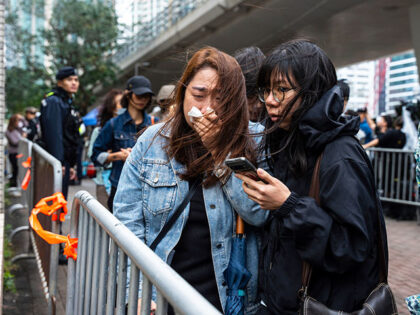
[[297, 83]]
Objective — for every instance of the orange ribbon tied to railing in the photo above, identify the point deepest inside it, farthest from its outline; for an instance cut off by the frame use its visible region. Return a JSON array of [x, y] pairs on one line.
[[27, 163], [27, 178], [49, 206]]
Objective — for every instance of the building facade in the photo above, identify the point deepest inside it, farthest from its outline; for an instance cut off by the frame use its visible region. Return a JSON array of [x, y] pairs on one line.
[[134, 14], [382, 84], [402, 79], [360, 78]]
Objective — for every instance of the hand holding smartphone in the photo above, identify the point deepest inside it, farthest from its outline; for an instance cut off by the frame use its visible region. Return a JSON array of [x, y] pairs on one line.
[[241, 165]]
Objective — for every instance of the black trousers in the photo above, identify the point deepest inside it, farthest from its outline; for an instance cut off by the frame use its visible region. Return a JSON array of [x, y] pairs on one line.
[[14, 163], [66, 179], [111, 198]]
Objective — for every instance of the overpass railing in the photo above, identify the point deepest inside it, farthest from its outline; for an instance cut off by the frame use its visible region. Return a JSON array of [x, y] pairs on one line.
[[163, 20], [97, 281]]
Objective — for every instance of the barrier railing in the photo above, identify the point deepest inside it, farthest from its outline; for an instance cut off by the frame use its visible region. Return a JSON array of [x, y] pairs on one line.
[[46, 180], [395, 174], [25, 196], [96, 282]]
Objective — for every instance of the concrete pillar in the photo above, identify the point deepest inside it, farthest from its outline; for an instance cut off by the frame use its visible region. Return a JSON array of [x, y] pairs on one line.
[[415, 32]]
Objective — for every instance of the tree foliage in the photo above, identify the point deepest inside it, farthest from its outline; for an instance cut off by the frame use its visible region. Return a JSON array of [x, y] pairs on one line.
[[79, 34]]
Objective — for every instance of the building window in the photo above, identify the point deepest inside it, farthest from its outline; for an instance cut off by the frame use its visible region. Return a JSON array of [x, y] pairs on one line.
[[402, 82], [405, 65]]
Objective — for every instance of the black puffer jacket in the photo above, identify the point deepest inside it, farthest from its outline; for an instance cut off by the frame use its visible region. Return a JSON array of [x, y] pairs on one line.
[[339, 239]]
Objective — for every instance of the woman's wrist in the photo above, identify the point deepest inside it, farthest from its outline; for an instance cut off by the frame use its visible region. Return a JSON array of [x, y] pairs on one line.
[[287, 206]]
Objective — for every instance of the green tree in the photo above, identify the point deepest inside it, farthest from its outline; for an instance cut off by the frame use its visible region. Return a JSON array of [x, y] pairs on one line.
[[80, 34], [26, 79], [84, 35], [23, 88]]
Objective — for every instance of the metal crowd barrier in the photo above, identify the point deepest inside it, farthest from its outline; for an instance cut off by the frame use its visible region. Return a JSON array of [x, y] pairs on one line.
[[46, 180], [395, 174], [25, 196], [96, 282]]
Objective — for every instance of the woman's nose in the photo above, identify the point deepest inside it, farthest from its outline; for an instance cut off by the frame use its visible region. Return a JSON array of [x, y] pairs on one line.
[[270, 100], [203, 107]]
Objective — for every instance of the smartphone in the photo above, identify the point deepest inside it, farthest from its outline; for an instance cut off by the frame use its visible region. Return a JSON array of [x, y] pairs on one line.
[[243, 166]]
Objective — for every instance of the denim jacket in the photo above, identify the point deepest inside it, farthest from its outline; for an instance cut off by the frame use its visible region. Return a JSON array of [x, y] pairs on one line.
[[150, 189], [118, 133]]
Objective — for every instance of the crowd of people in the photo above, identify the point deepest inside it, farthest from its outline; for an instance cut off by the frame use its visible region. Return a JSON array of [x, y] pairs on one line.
[[285, 113]]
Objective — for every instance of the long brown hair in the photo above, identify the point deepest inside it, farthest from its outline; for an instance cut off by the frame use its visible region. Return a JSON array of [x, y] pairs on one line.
[[107, 110], [231, 108], [13, 122]]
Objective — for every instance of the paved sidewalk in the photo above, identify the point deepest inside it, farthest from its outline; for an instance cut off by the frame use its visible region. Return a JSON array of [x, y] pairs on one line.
[[404, 260]]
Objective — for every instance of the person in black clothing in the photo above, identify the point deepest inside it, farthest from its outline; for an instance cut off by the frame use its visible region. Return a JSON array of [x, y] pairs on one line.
[[345, 90], [388, 137], [393, 138], [31, 123], [60, 124], [338, 237]]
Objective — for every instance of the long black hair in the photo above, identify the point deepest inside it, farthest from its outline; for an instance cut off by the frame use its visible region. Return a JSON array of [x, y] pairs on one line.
[[307, 67], [250, 60]]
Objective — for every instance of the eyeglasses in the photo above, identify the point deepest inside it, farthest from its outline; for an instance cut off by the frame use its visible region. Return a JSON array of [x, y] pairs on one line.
[[278, 93]]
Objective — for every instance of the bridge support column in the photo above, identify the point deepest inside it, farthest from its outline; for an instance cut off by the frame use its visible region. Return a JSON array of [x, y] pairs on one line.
[[415, 32]]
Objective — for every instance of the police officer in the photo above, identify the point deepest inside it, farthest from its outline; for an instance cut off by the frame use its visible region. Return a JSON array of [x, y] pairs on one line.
[[60, 123]]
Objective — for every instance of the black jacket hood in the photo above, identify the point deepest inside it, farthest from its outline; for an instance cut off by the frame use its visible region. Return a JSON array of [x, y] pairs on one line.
[[324, 121]]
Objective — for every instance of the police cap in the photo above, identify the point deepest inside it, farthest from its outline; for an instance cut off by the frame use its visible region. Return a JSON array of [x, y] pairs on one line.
[[65, 72]]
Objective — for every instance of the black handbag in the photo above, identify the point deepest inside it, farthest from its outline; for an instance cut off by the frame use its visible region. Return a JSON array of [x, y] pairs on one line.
[[380, 300]]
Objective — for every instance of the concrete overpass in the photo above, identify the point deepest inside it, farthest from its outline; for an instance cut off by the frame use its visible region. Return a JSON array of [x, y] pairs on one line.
[[349, 30]]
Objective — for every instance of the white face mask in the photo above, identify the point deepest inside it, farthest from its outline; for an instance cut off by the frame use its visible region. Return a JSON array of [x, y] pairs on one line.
[[20, 124]]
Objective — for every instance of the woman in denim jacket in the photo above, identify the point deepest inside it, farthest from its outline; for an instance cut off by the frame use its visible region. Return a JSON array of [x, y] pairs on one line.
[[169, 157], [119, 134]]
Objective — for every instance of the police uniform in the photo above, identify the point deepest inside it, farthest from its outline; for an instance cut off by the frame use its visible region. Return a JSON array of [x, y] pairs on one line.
[[59, 126]]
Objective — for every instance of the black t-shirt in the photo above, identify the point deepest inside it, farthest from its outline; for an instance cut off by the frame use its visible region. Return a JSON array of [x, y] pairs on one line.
[[193, 259], [392, 138]]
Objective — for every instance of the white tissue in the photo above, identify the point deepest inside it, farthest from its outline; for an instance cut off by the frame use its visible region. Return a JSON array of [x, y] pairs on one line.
[[196, 113]]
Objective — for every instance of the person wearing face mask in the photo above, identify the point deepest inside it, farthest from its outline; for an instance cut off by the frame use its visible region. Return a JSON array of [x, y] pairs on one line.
[[184, 157], [118, 135], [109, 109], [13, 135]]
